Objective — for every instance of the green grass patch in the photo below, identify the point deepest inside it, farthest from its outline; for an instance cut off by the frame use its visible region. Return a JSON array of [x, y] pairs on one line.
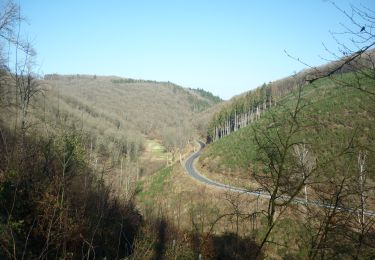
[[155, 186], [156, 149]]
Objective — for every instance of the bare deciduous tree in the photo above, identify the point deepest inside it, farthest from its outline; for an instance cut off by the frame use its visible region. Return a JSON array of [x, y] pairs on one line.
[[281, 173]]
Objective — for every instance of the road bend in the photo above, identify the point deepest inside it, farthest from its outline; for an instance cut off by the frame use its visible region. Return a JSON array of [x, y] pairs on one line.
[[195, 174]]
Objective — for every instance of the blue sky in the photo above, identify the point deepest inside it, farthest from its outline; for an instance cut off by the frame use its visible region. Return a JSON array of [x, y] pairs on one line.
[[226, 47]]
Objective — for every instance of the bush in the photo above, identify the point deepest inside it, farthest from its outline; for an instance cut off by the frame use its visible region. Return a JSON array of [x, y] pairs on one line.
[[53, 206]]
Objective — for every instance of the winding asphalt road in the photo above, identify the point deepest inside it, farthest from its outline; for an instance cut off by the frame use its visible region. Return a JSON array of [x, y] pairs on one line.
[[194, 173]]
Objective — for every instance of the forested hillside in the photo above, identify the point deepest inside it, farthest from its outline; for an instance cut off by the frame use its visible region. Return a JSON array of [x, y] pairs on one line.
[[248, 107], [314, 143], [126, 109], [108, 167], [72, 149]]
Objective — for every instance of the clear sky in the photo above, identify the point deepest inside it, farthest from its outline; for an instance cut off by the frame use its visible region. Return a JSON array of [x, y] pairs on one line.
[[224, 46]]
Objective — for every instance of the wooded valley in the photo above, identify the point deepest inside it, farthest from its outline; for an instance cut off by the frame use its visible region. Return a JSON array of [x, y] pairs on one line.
[[93, 167]]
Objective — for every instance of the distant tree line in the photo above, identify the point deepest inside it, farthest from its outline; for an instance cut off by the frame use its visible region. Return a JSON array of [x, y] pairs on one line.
[[207, 94]]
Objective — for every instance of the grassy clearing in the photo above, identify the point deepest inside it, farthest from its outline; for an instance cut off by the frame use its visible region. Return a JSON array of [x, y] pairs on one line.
[[156, 150], [155, 185]]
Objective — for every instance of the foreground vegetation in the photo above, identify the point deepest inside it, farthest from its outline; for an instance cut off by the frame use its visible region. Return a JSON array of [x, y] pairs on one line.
[[53, 205], [315, 144]]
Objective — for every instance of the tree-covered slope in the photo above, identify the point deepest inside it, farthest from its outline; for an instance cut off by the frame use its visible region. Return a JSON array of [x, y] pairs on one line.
[[332, 115], [122, 111], [314, 147]]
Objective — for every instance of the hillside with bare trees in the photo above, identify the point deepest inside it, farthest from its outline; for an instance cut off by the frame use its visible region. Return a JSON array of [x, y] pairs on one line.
[[108, 167], [116, 106]]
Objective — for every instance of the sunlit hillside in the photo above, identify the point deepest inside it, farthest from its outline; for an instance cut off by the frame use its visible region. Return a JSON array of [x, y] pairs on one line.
[[104, 156]]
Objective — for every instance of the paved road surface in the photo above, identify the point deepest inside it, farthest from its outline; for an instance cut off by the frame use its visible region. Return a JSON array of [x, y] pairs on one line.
[[194, 173]]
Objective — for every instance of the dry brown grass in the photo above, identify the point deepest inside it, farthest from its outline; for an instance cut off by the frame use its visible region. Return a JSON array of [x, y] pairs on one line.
[[234, 178]]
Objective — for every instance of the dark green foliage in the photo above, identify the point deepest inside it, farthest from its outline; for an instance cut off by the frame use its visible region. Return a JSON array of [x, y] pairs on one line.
[[208, 95], [124, 81]]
